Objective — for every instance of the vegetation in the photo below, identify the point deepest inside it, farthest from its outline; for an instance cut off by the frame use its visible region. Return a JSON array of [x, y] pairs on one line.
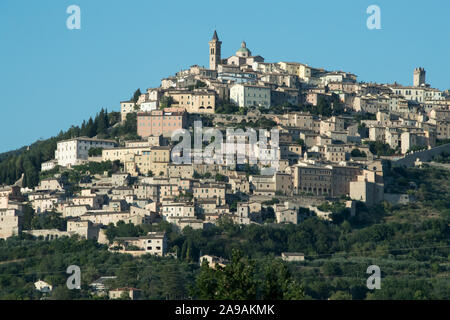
[[136, 95], [410, 243], [441, 142], [413, 256], [28, 161], [380, 149], [227, 108], [417, 148], [221, 178], [95, 152], [365, 116], [262, 123], [244, 279], [356, 153]]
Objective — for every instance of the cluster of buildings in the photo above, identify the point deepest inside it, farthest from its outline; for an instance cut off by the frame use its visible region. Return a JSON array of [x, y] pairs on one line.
[[320, 158]]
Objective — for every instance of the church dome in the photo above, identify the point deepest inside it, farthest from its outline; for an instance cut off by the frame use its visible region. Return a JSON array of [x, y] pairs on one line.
[[243, 51]]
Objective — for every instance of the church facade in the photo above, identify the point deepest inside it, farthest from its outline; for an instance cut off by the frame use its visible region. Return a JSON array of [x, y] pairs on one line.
[[243, 57]]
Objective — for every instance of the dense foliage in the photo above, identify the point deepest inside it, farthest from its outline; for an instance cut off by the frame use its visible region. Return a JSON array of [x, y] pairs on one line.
[[28, 161]]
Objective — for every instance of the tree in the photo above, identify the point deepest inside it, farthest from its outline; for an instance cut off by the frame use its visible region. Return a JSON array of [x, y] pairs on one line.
[[125, 296], [206, 283], [356, 153], [95, 152], [276, 279], [166, 102], [91, 128], [136, 95], [227, 108], [301, 142], [173, 284], [237, 280], [62, 293], [130, 126], [28, 216], [101, 122]]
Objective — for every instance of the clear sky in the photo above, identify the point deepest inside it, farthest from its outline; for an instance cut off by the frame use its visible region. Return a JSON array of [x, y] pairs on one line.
[[52, 77]]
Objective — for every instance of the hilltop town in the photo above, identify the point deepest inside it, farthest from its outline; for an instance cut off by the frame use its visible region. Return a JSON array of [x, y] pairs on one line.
[[336, 139]]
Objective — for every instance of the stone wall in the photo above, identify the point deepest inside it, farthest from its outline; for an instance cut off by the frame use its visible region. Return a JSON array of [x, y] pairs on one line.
[[424, 156]]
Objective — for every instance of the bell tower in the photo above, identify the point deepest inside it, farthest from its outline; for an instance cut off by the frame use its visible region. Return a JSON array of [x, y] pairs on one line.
[[215, 47]]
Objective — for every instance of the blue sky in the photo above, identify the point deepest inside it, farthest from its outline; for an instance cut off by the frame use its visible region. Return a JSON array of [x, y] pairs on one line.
[[52, 77]]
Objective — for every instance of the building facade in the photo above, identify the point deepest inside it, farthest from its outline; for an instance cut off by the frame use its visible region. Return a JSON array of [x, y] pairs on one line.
[[76, 151]]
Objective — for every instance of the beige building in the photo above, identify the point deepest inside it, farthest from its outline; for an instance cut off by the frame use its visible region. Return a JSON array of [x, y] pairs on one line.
[[154, 160], [161, 122], [334, 153], [330, 125], [287, 216], [43, 286], [122, 154], [92, 201], [126, 107], [210, 191], [292, 256], [367, 188], [195, 224], [85, 229], [419, 77], [279, 183], [419, 94], [322, 180], [76, 151], [75, 210], [184, 171], [107, 217], [11, 221], [175, 211], [196, 101], [215, 52], [243, 58], [303, 71]]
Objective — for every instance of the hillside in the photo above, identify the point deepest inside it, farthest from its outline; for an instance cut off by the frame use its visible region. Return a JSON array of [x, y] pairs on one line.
[[28, 160]]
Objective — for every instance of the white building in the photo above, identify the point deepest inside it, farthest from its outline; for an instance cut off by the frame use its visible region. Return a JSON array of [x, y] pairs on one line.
[[419, 94], [148, 106], [43, 286], [75, 151], [292, 256], [154, 243], [246, 95], [49, 165]]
